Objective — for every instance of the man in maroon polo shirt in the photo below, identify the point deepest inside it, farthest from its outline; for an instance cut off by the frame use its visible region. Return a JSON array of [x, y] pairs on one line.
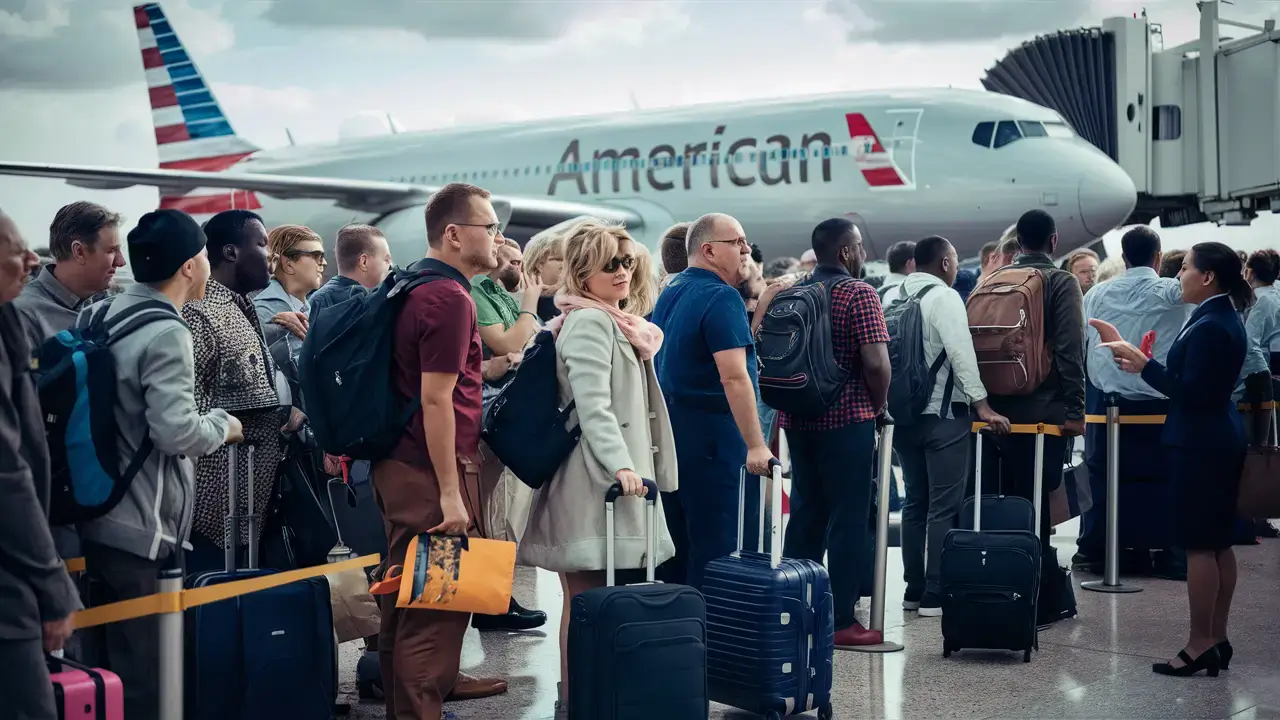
[[431, 482]]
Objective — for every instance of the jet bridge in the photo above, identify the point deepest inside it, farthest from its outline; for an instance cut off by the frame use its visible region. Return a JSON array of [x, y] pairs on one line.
[[1196, 126]]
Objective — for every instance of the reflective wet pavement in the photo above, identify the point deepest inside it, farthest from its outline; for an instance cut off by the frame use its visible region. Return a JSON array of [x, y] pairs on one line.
[[1097, 665]]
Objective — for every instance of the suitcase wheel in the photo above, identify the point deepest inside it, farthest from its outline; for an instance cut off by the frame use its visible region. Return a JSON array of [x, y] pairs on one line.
[[826, 712], [773, 715], [1026, 656]]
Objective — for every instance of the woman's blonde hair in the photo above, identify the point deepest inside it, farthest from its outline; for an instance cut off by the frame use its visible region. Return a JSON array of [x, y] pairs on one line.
[[284, 238], [589, 245], [644, 281], [541, 247]]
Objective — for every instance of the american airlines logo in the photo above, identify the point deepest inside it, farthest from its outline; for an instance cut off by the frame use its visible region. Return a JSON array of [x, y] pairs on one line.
[[743, 162]]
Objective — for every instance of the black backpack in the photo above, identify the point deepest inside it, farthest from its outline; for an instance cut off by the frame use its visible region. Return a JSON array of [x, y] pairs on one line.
[[911, 384], [525, 425], [345, 366], [799, 374], [75, 375]]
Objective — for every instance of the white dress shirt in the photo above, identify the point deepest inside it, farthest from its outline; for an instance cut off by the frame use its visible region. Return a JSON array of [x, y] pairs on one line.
[[893, 281], [946, 326]]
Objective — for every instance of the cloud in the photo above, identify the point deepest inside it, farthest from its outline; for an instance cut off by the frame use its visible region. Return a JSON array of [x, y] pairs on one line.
[[87, 44], [524, 21], [890, 22]]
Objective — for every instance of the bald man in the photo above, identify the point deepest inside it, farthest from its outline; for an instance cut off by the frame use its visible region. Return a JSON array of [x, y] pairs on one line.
[[707, 370]]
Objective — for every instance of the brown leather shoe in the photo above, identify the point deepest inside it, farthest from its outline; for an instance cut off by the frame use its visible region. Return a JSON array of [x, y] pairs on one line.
[[474, 688]]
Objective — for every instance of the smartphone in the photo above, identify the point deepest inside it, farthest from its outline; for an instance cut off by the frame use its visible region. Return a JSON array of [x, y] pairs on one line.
[[1148, 342]]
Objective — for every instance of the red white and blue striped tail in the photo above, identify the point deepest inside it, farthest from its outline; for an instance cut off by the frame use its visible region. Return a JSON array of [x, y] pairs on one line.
[[192, 133]]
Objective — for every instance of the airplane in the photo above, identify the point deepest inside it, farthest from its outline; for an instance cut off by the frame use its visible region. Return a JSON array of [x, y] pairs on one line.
[[900, 164]]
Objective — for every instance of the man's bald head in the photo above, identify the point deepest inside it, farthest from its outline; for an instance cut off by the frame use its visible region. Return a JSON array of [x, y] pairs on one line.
[[712, 227], [16, 261], [718, 243]]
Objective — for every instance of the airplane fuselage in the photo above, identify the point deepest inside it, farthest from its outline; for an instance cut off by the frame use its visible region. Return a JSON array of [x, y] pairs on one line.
[[901, 165]]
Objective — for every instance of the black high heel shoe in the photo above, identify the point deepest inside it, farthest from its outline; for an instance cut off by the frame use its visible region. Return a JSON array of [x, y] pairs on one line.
[[1226, 652], [1209, 660]]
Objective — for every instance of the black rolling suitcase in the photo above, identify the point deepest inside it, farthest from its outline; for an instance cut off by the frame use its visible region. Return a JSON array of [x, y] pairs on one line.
[[991, 573], [265, 655], [637, 652]]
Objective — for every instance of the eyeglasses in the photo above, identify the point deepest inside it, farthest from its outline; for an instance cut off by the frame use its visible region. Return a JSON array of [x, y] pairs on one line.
[[493, 229], [316, 255], [626, 261], [740, 242]]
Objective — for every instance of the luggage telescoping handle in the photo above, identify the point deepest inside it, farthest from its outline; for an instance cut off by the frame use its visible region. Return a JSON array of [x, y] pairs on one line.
[[775, 524], [610, 557], [232, 535], [1037, 480]]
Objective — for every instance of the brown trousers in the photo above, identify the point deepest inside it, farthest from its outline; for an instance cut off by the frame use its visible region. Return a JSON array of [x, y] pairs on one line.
[[419, 650]]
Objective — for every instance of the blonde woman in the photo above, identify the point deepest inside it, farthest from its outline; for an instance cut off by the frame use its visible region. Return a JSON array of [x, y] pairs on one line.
[[544, 261], [604, 363], [645, 283], [297, 258]]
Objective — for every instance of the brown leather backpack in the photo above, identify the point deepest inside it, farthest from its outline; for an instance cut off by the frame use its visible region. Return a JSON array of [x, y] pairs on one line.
[[1007, 323]]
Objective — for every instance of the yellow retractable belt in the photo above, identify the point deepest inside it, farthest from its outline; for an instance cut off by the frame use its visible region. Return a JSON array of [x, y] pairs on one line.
[[1026, 429], [187, 599]]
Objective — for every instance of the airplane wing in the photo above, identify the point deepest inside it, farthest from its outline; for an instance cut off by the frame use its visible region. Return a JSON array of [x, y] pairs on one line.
[[371, 196]]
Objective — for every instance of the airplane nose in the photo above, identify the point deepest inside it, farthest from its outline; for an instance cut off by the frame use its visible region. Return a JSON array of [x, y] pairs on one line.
[[1107, 197]]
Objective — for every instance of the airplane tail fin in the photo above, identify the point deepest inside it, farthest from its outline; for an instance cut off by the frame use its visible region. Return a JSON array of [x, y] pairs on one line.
[[192, 132]]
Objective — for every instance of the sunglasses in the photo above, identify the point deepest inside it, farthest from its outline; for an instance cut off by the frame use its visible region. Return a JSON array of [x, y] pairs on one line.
[[316, 255], [626, 261]]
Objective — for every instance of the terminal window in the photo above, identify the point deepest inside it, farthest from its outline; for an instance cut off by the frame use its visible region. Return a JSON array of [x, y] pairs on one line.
[[1166, 122]]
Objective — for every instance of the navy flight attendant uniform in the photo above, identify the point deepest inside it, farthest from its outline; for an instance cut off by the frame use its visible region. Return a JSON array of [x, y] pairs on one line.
[[1203, 429], [701, 315]]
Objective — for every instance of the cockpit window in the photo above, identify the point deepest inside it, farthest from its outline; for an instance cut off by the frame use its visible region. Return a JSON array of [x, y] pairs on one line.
[[982, 134], [1031, 128], [1059, 130], [993, 134], [1006, 132]]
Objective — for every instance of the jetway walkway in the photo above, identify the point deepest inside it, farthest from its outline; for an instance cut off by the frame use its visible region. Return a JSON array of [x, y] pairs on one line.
[[1196, 125]]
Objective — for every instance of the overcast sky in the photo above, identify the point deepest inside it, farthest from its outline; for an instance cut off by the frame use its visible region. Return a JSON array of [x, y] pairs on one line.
[[72, 87]]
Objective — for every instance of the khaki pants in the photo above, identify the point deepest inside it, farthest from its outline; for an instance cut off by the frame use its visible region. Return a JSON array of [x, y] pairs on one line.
[[507, 499]]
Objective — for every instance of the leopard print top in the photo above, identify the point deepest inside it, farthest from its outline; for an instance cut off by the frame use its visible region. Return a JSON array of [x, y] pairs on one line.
[[235, 372]]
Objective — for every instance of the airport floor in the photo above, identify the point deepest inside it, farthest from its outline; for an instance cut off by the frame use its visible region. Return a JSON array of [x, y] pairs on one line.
[[1097, 665]]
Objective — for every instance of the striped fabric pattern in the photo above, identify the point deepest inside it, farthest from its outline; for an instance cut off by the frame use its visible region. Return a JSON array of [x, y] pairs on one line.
[[192, 132]]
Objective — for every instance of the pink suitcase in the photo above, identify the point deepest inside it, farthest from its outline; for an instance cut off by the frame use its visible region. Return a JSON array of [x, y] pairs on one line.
[[83, 693]]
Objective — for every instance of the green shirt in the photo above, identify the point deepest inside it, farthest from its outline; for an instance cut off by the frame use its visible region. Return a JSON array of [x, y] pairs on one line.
[[494, 306]]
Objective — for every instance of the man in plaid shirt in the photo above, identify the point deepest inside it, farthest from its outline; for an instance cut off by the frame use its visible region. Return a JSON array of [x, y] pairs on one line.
[[832, 454]]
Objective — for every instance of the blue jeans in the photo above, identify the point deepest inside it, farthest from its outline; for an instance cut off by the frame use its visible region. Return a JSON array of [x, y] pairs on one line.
[[830, 506], [711, 454]]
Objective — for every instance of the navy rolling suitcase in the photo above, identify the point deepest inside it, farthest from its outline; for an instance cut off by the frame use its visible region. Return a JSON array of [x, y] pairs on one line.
[[637, 652], [770, 624], [991, 573], [266, 655]]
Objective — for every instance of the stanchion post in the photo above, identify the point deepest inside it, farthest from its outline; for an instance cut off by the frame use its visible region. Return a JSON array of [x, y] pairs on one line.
[[171, 649], [1110, 582], [884, 477]]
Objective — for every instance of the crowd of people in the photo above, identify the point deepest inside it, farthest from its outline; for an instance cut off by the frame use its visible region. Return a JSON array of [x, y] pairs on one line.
[[660, 360]]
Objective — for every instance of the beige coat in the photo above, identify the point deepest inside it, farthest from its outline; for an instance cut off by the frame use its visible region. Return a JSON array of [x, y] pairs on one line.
[[624, 426]]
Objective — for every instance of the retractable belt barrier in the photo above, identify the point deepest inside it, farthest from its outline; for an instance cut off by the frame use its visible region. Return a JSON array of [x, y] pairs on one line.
[[174, 602], [1159, 419], [1026, 429]]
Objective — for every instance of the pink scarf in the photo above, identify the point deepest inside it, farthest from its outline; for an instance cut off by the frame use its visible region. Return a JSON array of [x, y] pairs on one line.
[[643, 335]]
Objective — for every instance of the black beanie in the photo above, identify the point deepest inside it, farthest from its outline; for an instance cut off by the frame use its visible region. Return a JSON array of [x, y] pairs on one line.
[[161, 243]]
